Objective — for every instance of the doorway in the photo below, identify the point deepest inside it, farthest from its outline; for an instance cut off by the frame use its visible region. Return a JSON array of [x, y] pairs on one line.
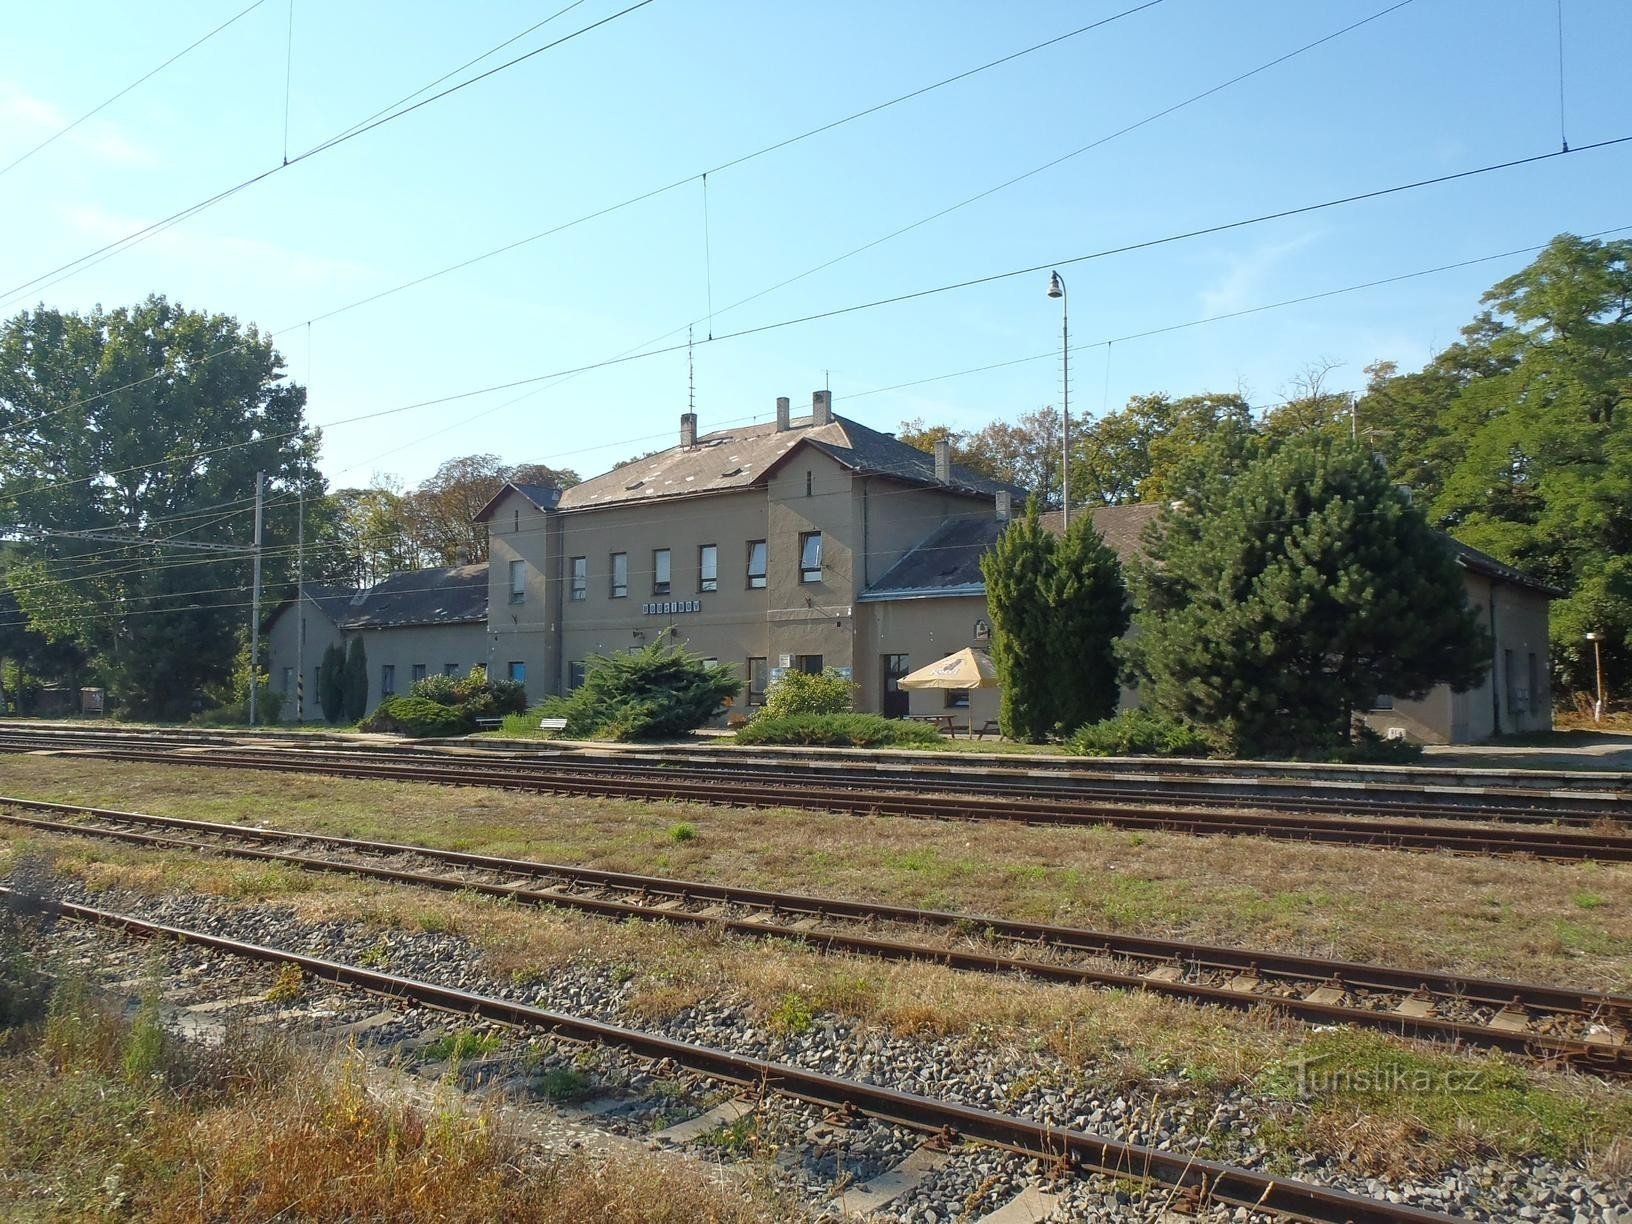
[[894, 701]]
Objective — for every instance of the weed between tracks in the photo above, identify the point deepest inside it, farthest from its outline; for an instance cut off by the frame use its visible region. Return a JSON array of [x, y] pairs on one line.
[[101, 1116]]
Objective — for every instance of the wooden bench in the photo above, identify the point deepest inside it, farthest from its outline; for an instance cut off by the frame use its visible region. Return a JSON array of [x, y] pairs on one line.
[[489, 722]]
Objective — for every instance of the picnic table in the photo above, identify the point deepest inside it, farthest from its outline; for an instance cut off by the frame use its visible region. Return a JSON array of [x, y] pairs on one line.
[[946, 722]]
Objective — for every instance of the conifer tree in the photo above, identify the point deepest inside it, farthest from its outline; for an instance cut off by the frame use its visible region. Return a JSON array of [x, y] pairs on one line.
[[331, 690], [1090, 614], [1293, 585], [354, 684], [1019, 571]]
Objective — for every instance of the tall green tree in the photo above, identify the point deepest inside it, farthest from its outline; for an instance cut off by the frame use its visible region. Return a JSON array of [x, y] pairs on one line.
[[1519, 438], [147, 422], [1293, 585], [331, 683], [1089, 605], [1019, 571], [354, 681]]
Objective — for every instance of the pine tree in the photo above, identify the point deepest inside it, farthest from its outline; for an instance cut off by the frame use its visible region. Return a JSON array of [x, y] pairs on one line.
[[354, 683], [1292, 586], [1090, 614], [1019, 571], [331, 691]]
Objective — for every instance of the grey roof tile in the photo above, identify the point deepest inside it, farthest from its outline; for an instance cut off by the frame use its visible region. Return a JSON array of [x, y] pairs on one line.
[[741, 458], [450, 596]]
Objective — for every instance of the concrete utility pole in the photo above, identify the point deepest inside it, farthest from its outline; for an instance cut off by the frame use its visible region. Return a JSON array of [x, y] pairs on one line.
[[255, 600], [1597, 640], [300, 604], [1056, 289]]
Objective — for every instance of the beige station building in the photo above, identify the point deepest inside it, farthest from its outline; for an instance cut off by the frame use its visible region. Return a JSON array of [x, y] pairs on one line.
[[803, 543]]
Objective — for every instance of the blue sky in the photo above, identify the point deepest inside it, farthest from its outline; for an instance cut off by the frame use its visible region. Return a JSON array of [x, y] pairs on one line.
[[674, 88]]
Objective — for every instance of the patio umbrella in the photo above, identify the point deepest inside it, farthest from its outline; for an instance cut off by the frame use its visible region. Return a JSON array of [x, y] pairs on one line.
[[967, 669]]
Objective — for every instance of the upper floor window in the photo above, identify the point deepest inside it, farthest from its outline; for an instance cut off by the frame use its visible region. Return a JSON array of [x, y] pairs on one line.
[[810, 556], [518, 522], [708, 567], [580, 578], [620, 575], [756, 564], [661, 567], [518, 582]]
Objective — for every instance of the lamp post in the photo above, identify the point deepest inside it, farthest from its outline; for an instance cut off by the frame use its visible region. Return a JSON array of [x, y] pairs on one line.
[[1056, 289], [1597, 640]]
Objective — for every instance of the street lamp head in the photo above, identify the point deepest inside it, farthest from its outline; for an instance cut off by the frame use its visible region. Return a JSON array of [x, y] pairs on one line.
[[1595, 637], [1056, 286]]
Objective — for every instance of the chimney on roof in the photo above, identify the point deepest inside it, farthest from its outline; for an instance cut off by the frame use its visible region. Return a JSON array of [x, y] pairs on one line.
[[784, 414], [1005, 505], [943, 461], [821, 408], [688, 430]]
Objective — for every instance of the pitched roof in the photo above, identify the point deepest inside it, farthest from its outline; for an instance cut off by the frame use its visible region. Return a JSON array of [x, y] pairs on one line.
[[741, 458], [333, 601], [454, 595], [1470, 558], [542, 497], [947, 562]]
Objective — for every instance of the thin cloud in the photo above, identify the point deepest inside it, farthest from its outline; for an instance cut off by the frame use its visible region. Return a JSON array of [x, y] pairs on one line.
[[30, 120]]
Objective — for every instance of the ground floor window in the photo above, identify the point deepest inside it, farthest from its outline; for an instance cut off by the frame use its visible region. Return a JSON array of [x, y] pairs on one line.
[[388, 679], [957, 699], [758, 676], [289, 679], [1383, 702], [450, 669], [419, 671], [575, 674], [518, 671], [811, 664]]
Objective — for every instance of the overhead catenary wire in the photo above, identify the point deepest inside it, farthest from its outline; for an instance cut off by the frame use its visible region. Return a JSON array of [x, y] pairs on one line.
[[896, 299], [146, 231], [112, 98], [651, 193]]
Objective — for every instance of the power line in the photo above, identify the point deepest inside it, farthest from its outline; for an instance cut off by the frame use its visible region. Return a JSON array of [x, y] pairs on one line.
[[109, 101], [896, 299], [193, 209]]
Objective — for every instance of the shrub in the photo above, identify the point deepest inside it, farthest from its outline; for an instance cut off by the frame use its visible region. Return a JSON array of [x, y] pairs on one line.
[[418, 716], [1369, 748], [657, 691], [839, 730], [1139, 732], [798, 692], [479, 696]]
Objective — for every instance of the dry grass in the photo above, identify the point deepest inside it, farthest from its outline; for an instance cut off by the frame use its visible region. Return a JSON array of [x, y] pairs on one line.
[[99, 1117], [1489, 917], [1131, 1043]]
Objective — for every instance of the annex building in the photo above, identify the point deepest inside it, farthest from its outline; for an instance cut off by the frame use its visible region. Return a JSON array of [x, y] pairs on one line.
[[802, 543]]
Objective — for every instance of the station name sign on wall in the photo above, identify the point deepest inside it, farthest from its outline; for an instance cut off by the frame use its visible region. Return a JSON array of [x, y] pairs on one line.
[[669, 607]]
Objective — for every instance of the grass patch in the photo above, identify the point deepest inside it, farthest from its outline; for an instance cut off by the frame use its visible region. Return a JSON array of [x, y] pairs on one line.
[[682, 831], [792, 1014], [1387, 1106], [100, 1118], [289, 985], [460, 1046]]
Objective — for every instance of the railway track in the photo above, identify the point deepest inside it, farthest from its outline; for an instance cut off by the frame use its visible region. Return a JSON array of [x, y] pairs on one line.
[[579, 776], [1000, 777], [1582, 1029], [1196, 1183]]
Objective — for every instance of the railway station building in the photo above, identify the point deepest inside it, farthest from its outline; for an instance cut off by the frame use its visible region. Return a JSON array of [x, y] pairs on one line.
[[802, 543]]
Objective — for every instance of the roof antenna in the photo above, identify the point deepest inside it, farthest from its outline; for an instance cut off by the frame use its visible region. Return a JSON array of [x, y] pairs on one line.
[[691, 375]]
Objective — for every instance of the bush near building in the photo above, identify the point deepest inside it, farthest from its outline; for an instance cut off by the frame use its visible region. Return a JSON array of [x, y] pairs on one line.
[[447, 705], [1139, 732], [652, 693], [797, 693], [840, 731]]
